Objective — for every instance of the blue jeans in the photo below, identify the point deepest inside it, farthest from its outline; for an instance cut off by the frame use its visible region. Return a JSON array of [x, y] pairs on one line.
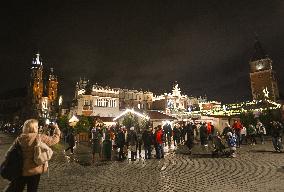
[[277, 143], [160, 150]]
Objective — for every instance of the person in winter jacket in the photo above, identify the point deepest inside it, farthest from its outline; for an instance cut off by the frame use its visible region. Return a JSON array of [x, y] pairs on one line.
[[226, 130], [132, 142], [190, 128], [176, 135], [232, 143], [139, 142], [276, 134], [167, 129], [260, 128], [96, 143], [120, 142], [203, 135], [71, 142], [251, 132], [107, 144], [31, 171], [210, 131], [244, 135], [159, 135], [237, 126], [147, 138]]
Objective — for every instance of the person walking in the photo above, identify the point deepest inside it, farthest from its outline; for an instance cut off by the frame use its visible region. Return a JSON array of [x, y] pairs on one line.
[[251, 131], [132, 142], [31, 172], [147, 138], [70, 141], [276, 134], [244, 135], [261, 131]]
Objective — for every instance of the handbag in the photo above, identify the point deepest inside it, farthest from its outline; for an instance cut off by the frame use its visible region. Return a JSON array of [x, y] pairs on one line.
[[42, 152], [11, 168]]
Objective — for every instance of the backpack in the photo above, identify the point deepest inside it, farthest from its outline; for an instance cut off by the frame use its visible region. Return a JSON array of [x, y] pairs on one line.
[[42, 152], [11, 168]]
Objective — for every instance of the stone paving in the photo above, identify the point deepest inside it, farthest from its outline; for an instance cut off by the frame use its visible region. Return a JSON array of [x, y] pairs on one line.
[[256, 168]]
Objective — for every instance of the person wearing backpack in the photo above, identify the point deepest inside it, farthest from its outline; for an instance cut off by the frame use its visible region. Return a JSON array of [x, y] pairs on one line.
[[31, 172]]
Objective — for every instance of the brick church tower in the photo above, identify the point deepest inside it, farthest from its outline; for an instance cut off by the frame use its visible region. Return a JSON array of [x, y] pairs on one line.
[[52, 87], [262, 76], [36, 81]]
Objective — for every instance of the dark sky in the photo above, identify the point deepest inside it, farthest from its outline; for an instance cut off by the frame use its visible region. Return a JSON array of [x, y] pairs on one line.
[[204, 45]]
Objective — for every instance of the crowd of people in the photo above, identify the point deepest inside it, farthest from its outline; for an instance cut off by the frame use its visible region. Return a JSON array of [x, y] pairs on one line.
[[116, 141]]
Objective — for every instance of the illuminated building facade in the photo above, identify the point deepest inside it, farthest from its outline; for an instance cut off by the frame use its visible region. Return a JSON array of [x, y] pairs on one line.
[[95, 100], [102, 101], [172, 102]]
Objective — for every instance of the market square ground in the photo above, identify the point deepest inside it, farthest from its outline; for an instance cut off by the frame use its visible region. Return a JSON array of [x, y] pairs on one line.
[[256, 168]]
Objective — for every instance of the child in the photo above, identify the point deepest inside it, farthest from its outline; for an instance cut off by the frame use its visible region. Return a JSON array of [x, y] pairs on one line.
[[232, 143]]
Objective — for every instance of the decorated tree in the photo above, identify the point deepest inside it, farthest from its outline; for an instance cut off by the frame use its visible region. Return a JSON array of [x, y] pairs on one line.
[[83, 125], [247, 119], [130, 120], [145, 123], [63, 123]]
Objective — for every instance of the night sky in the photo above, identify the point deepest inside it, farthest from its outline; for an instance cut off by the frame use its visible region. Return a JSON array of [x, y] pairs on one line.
[[203, 45]]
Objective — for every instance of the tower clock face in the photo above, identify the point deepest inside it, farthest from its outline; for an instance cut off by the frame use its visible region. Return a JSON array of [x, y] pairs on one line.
[[259, 66]]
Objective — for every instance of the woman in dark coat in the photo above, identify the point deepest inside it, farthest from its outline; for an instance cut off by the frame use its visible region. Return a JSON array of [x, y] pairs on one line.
[[71, 142], [96, 143], [176, 135], [120, 142], [107, 145], [203, 135]]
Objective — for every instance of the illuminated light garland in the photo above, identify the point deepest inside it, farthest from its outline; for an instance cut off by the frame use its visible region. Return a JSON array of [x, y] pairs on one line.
[[238, 108], [131, 111]]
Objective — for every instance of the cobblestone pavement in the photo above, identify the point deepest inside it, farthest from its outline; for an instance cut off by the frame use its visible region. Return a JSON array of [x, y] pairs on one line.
[[256, 168]]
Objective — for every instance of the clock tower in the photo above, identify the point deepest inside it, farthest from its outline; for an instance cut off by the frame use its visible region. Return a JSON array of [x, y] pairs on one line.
[[262, 76]]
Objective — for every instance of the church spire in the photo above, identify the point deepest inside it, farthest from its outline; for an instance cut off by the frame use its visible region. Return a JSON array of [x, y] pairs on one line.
[[37, 60], [259, 52]]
